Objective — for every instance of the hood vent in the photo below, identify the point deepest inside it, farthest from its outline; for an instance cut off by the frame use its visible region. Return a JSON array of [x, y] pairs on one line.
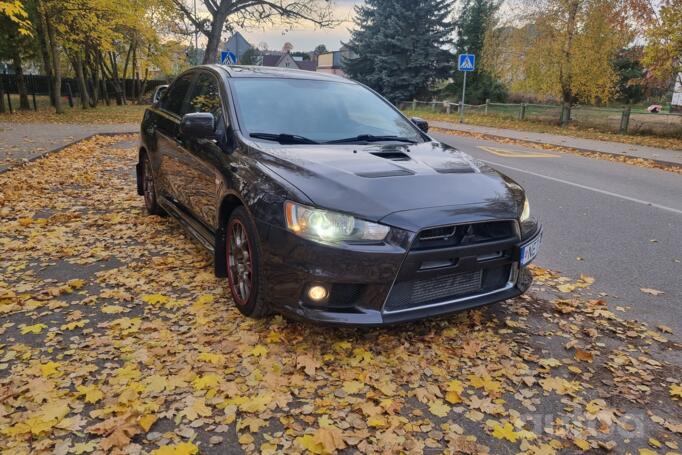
[[386, 173], [391, 155]]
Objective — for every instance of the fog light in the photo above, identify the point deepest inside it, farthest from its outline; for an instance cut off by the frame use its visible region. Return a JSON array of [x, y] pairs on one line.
[[317, 293]]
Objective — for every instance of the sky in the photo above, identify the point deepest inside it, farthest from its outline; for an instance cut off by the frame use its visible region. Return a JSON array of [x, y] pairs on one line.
[[305, 37]]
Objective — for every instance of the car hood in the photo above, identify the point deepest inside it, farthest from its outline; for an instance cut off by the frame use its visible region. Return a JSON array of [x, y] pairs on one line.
[[377, 180]]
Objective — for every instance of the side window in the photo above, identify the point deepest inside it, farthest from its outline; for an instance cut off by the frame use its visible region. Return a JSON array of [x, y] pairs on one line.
[[205, 96], [174, 99]]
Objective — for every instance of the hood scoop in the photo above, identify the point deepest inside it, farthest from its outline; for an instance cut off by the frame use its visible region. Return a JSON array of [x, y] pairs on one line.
[[391, 155]]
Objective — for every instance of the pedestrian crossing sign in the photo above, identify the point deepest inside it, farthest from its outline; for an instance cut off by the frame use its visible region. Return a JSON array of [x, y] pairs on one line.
[[467, 62]]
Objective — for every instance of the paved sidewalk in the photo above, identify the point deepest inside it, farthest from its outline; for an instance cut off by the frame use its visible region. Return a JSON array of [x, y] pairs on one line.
[[20, 142], [616, 148]]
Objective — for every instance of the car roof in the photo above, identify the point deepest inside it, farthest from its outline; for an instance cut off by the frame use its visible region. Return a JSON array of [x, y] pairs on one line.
[[275, 72]]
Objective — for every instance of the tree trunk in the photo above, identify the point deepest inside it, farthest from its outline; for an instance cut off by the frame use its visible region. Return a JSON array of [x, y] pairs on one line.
[[77, 61], [143, 86], [211, 55], [45, 52], [2, 97], [125, 70], [54, 58], [21, 82], [115, 81]]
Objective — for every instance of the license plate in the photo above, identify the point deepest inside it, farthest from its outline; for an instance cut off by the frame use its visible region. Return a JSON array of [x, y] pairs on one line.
[[530, 250]]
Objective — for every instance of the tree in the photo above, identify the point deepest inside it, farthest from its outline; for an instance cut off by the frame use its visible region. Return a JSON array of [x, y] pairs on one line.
[[565, 49], [232, 13], [400, 46], [250, 57], [475, 18], [320, 49], [663, 52], [16, 47], [631, 75]]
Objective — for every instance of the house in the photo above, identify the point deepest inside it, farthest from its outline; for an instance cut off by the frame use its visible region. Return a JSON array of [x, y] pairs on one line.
[[285, 60], [332, 62], [237, 44]]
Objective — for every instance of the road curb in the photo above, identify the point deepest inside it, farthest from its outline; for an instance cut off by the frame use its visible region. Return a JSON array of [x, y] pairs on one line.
[[62, 147], [580, 149]]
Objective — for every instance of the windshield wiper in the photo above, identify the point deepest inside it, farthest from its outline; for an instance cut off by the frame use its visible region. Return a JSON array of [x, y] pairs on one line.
[[371, 138], [284, 138]]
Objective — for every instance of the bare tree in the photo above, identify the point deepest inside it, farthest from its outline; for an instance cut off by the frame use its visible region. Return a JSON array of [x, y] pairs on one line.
[[227, 14]]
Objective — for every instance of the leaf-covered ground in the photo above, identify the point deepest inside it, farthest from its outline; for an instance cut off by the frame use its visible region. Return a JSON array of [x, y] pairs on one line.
[[130, 113], [115, 337], [496, 121]]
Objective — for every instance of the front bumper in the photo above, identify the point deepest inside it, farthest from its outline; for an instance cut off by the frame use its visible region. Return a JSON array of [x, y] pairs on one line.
[[387, 284]]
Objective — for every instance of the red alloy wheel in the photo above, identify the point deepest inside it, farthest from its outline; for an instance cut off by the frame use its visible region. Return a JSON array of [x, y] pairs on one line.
[[239, 262]]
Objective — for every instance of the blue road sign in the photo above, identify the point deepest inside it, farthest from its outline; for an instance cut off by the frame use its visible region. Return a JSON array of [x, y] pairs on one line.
[[228, 58], [467, 62]]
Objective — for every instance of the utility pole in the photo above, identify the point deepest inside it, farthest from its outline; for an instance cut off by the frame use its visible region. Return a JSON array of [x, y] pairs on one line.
[[196, 37]]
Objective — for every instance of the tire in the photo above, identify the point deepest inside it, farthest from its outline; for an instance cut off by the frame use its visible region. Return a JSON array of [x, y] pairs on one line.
[[243, 264], [149, 188]]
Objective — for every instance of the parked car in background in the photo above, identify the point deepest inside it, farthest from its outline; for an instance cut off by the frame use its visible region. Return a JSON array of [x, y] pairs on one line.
[[320, 200]]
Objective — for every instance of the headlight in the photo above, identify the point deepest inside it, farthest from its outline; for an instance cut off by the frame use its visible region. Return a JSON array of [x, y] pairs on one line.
[[525, 213], [330, 227]]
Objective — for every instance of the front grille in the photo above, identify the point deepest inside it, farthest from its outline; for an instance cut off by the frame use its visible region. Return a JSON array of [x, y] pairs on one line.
[[463, 234], [425, 291]]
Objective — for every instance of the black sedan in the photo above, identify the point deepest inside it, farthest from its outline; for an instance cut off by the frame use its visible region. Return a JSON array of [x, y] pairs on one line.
[[321, 201]]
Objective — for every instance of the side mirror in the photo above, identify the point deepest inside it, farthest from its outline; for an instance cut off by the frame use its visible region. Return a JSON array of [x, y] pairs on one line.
[[198, 125], [420, 123]]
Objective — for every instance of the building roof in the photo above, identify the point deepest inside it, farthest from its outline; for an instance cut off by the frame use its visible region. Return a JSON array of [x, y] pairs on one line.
[[237, 44], [307, 65]]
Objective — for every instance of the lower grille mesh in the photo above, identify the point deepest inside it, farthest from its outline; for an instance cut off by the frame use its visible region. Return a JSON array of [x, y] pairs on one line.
[[418, 292]]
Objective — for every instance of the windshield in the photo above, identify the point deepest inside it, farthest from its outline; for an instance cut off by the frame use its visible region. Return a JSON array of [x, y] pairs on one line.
[[320, 111]]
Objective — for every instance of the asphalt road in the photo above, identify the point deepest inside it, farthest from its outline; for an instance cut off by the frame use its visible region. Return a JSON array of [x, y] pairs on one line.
[[618, 223]]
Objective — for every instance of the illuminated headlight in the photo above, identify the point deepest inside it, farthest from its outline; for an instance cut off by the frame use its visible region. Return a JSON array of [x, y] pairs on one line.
[[330, 227], [525, 213]]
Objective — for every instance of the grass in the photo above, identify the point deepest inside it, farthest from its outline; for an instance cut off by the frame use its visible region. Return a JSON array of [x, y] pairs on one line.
[[130, 113], [499, 121]]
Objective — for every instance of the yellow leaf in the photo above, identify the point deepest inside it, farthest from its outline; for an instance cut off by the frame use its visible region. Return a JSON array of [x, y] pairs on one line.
[[207, 381], [455, 386], [155, 299], [584, 445], [676, 391], [84, 447], [438, 408], [50, 368], [210, 357], [197, 407], [259, 351], [245, 439], [35, 328], [646, 452], [76, 283], [184, 448], [353, 386], [505, 432], [377, 422], [91, 392], [75, 324], [146, 421], [112, 309], [155, 384], [256, 404], [453, 397], [308, 442]]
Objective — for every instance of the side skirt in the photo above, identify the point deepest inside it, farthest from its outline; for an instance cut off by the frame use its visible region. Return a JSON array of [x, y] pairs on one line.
[[196, 229]]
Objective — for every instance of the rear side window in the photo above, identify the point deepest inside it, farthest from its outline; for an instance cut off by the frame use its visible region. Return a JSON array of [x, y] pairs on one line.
[[205, 96], [174, 99]]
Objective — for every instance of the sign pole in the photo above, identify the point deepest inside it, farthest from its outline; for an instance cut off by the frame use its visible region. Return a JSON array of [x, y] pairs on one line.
[[461, 103]]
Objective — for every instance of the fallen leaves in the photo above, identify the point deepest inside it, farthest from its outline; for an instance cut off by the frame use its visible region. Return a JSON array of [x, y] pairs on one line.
[[117, 337]]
